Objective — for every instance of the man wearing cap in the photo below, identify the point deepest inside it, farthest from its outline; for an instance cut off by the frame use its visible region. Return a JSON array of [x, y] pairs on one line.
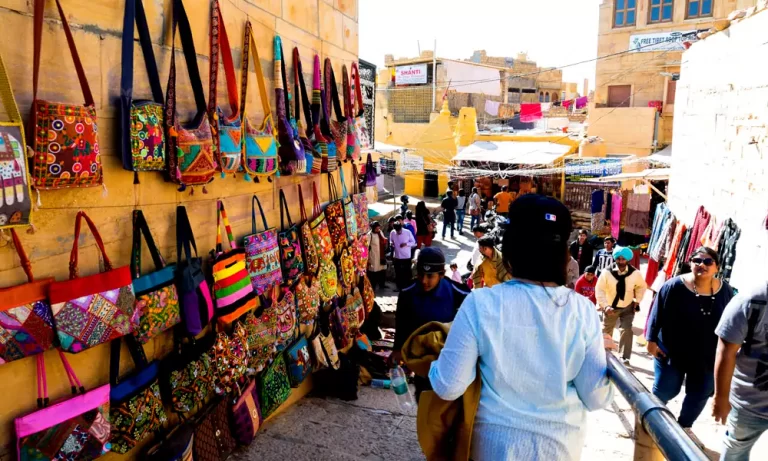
[[619, 291]]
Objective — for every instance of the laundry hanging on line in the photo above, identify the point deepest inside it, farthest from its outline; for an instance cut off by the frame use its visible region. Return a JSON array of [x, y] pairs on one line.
[[530, 112], [582, 102], [492, 107]]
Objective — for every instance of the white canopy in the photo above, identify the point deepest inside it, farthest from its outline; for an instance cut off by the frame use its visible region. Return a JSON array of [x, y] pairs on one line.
[[663, 156], [513, 152], [654, 174]]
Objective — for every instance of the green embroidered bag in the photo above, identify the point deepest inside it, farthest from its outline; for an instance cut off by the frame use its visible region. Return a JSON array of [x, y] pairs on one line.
[[274, 386]]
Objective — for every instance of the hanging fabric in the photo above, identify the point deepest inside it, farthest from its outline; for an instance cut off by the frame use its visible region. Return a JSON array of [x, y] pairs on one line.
[[530, 112], [582, 102], [290, 149], [339, 125], [616, 202]]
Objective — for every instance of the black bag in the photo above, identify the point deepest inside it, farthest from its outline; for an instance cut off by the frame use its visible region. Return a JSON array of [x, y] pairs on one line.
[[194, 293]]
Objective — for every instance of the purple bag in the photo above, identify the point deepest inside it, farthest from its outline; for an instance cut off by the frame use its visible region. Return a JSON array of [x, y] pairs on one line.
[[194, 294]]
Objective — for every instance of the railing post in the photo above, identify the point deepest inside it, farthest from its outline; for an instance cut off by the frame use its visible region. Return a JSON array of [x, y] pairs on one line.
[[645, 448]]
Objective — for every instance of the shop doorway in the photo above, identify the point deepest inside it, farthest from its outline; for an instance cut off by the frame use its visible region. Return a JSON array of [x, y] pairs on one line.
[[431, 188]]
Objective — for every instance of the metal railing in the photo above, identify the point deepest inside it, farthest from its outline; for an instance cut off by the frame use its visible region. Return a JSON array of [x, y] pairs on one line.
[[656, 429]]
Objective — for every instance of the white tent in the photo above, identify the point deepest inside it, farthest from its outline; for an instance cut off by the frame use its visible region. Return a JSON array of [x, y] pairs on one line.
[[513, 152]]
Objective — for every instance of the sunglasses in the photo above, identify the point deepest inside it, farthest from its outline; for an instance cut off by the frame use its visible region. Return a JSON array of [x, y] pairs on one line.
[[706, 261]]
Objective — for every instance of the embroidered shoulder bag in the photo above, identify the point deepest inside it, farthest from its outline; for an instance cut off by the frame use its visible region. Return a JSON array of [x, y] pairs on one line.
[[274, 387], [350, 216], [16, 196], [188, 374], [194, 294], [326, 273], [64, 135], [308, 250], [301, 98], [157, 300], [325, 128], [285, 310], [230, 359], [26, 323], [291, 260], [339, 125], [322, 347], [190, 146], [261, 335], [88, 311], [369, 297], [307, 299], [227, 131], [353, 144], [346, 264], [319, 139], [354, 311], [334, 215], [75, 428], [262, 253], [298, 361], [142, 121], [135, 404], [213, 439], [290, 149], [340, 328], [232, 286], [246, 414]]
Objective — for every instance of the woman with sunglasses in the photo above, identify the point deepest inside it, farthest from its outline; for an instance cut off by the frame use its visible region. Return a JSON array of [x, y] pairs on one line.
[[681, 334]]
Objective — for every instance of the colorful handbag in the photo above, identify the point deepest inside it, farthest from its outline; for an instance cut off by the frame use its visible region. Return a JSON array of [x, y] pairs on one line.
[[346, 264], [187, 375], [213, 440], [369, 297], [307, 299], [358, 110], [322, 348], [260, 145], [190, 147], [370, 173], [96, 309], [157, 300], [361, 254], [142, 121], [301, 97], [246, 415], [274, 387], [64, 135], [261, 336], [340, 330], [291, 262], [308, 250], [319, 139], [285, 311], [232, 287], [230, 360], [175, 446], [290, 150], [326, 274], [353, 144], [350, 216], [194, 294], [354, 311], [227, 131], [76, 428], [135, 404], [16, 196], [334, 216], [339, 126], [298, 361], [26, 323], [262, 253], [360, 201]]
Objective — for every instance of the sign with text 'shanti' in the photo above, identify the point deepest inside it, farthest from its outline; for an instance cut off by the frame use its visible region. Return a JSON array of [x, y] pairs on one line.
[[411, 75], [660, 41]]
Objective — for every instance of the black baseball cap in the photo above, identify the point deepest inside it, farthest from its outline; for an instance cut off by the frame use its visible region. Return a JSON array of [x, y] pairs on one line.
[[430, 261], [539, 219]]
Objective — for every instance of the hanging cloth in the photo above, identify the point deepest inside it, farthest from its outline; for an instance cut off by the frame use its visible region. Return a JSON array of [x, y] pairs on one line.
[[530, 112], [616, 215], [492, 107], [582, 102]]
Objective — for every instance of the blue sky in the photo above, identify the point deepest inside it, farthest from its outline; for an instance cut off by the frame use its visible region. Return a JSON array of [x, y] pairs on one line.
[[552, 32]]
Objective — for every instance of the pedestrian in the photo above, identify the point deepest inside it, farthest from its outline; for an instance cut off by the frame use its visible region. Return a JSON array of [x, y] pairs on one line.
[[461, 210], [479, 232], [449, 205], [619, 292], [536, 347], [573, 273], [406, 225], [474, 208], [433, 298], [409, 219], [424, 228], [604, 258], [491, 269], [377, 256], [402, 241], [581, 250], [449, 188], [585, 286], [484, 205], [403, 204], [681, 334], [503, 199], [390, 225], [741, 373], [455, 274]]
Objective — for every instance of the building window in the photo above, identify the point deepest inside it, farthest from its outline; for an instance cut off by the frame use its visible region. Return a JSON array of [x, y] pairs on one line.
[[624, 13], [698, 9], [541, 96], [619, 95], [660, 11], [546, 97]]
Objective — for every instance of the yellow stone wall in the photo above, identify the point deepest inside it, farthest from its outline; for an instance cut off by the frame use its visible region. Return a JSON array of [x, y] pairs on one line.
[[325, 27], [627, 130]]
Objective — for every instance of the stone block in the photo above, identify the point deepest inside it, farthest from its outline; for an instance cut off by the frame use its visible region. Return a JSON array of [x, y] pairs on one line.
[[351, 37], [302, 13], [348, 7], [332, 25], [274, 7]]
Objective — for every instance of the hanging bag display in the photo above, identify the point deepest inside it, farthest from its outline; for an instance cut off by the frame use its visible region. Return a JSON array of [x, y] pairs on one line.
[[157, 300], [340, 328], [246, 415], [230, 360], [353, 145], [350, 216], [88, 311], [75, 428], [26, 323], [326, 273], [369, 297], [135, 403], [325, 128], [308, 250], [285, 311], [16, 195], [194, 294], [298, 362], [261, 335], [334, 215], [291, 261], [227, 131], [188, 374], [190, 146], [262, 253], [301, 97], [319, 139], [346, 264], [232, 288], [259, 145], [307, 299], [213, 440], [290, 149], [358, 111], [142, 121], [273, 386], [338, 126]]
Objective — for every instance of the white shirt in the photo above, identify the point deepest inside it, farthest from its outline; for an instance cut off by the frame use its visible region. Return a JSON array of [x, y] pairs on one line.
[[474, 202], [476, 255], [462, 201], [403, 237], [605, 290]]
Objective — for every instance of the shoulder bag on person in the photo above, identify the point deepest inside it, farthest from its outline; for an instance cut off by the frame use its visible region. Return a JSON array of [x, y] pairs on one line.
[[213, 440], [64, 135], [322, 237], [308, 250], [27, 325], [353, 144], [105, 299], [194, 294], [246, 414], [291, 260], [350, 215], [298, 361], [259, 145], [157, 300], [290, 149], [334, 215], [190, 146], [339, 127], [187, 374], [49, 432], [142, 121], [135, 403], [262, 253], [285, 310], [273, 386], [261, 336], [318, 137]]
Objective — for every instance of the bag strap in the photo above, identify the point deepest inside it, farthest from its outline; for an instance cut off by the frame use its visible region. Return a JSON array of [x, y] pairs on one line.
[[184, 236], [279, 74], [219, 42], [332, 191], [221, 215], [140, 227], [134, 11], [25, 263], [249, 46], [7, 99], [357, 98], [284, 205], [317, 88], [253, 214], [301, 204], [300, 90], [316, 210], [344, 191], [332, 91], [42, 379], [73, 273], [347, 92], [38, 39], [356, 179], [137, 354]]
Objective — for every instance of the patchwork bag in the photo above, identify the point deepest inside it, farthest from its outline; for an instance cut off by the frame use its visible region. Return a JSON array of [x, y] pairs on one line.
[[190, 146], [188, 375], [334, 215], [289, 149], [64, 135], [273, 387], [358, 110], [230, 357], [16, 195], [232, 287], [308, 250], [353, 144], [350, 216], [319, 139], [361, 254], [262, 253], [307, 299], [326, 273], [338, 126], [26, 322], [142, 121], [194, 294], [157, 300], [213, 440], [76, 428], [260, 145], [88, 311], [246, 415], [360, 201], [261, 336], [227, 131], [298, 362], [291, 261], [285, 311], [135, 403]]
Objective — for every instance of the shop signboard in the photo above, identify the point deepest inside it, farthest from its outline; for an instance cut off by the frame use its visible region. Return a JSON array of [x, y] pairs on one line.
[[586, 168], [660, 41], [411, 75]]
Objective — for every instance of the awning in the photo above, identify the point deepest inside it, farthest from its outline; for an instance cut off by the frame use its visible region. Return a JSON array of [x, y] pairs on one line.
[[654, 174], [513, 152], [663, 156]]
